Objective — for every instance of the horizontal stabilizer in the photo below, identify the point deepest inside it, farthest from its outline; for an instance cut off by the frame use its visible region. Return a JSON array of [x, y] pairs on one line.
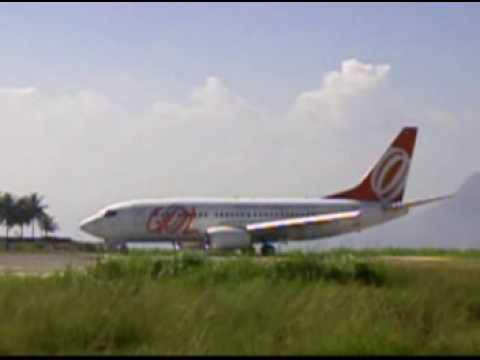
[[415, 203]]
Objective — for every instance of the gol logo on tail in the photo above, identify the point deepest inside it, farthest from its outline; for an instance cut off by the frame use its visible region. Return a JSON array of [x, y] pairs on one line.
[[389, 176]]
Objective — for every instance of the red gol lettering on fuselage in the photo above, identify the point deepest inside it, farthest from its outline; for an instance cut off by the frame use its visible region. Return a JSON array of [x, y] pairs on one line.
[[170, 220]]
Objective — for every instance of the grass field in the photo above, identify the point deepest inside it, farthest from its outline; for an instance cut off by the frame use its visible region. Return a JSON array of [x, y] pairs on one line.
[[338, 302]]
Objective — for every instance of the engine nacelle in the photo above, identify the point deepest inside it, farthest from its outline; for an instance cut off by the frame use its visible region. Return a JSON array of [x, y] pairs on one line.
[[227, 237]]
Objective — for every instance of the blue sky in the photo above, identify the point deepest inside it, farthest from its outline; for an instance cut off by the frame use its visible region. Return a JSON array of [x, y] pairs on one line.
[[122, 101], [269, 52]]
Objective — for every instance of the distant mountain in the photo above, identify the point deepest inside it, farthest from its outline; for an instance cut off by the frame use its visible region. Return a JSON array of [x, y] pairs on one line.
[[453, 223]]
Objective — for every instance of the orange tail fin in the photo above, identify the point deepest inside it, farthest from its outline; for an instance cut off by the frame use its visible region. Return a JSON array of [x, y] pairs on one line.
[[387, 180]]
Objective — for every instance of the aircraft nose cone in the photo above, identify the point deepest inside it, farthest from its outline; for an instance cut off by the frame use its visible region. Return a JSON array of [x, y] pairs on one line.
[[88, 226], [85, 226]]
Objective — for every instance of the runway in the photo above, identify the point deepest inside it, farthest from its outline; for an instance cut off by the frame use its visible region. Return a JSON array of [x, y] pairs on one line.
[[43, 263]]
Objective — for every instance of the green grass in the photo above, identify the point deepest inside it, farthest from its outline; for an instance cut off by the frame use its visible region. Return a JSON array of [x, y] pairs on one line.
[[392, 251], [336, 302]]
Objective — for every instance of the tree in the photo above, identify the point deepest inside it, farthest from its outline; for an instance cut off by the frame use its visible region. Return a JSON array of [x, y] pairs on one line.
[[8, 205], [7, 213], [2, 209], [36, 209], [22, 212], [47, 223]]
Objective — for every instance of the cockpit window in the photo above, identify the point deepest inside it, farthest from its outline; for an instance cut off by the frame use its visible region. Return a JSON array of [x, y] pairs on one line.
[[110, 213]]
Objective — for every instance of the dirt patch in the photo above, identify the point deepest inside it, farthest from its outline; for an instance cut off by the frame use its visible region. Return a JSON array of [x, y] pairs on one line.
[[43, 263]]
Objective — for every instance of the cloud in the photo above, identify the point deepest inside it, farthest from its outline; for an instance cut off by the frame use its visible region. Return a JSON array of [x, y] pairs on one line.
[[18, 91], [86, 149], [330, 102], [212, 102], [53, 143]]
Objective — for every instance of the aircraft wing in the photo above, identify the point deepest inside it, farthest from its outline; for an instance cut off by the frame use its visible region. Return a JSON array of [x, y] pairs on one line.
[[303, 228]]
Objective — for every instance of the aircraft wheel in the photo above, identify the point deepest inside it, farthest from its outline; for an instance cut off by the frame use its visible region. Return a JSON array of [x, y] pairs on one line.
[[267, 249], [123, 248], [206, 244]]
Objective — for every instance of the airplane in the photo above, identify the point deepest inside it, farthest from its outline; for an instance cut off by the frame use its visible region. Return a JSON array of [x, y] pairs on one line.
[[228, 224]]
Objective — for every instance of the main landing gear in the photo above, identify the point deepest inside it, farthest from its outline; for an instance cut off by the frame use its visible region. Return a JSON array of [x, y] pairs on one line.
[[177, 246], [123, 248], [120, 247], [206, 244], [267, 249]]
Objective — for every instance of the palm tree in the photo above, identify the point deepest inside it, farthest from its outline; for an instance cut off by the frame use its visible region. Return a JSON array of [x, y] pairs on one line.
[[36, 209], [8, 205], [2, 210], [2, 194], [7, 213], [47, 223], [22, 213]]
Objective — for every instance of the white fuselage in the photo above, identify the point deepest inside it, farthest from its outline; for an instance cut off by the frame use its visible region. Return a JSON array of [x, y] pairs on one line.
[[187, 219]]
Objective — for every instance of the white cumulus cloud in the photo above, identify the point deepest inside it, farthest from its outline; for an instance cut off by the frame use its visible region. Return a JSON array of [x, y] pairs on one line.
[[354, 79], [213, 101]]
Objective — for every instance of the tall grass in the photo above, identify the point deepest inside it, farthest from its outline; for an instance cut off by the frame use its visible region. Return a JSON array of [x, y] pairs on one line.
[[394, 251], [297, 304]]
